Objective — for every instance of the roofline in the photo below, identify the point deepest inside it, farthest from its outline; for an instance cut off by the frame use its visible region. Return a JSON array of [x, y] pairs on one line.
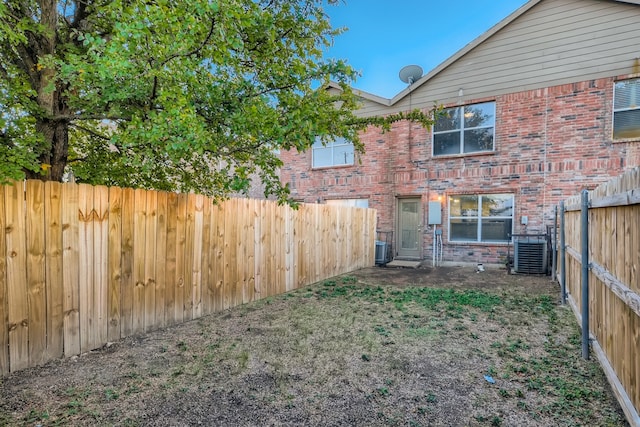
[[360, 93], [371, 97], [459, 54], [388, 102]]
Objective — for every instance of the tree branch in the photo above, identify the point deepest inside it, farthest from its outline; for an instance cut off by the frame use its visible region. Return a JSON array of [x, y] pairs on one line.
[[91, 132], [71, 117], [79, 15], [195, 50]]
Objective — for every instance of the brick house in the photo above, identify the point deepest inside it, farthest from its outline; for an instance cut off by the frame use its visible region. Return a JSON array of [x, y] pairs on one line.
[[541, 106]]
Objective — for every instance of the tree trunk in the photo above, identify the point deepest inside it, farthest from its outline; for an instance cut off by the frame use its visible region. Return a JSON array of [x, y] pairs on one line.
[[54, 132], [56, 150]]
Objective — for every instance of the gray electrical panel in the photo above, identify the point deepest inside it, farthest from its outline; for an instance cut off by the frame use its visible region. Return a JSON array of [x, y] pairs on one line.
[[435, 213]]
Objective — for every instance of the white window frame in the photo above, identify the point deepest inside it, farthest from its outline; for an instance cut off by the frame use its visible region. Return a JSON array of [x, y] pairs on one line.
[[331, 148], [461, 130], [475, 215], [634, 105]]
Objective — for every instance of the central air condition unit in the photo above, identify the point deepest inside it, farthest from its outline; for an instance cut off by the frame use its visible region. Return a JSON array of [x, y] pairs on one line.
[[530, 256], [381, 253]]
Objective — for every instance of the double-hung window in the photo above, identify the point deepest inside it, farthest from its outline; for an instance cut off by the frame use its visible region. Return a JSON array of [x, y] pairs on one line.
[[481, 218], [466, 129], [338, 152], [626, 109]]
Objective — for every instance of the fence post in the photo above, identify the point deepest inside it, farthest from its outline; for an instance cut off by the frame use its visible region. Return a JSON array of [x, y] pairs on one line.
[[554, 246], [584, 240], [563, 271]]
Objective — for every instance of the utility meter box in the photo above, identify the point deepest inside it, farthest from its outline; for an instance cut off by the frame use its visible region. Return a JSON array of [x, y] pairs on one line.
[[435, 213]]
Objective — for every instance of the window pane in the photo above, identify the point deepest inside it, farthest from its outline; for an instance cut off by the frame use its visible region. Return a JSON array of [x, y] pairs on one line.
[[343, 155], [455, 208], [627, 94], [446, 143], [477, 115], [411, 207], [496, 230], [322, 157], [449, 119], [497, 205], [478, 140], [469, 205], [464, 230], [626, 124]]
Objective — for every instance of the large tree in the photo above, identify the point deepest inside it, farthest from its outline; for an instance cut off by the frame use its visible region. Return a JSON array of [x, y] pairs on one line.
[[167, 94]]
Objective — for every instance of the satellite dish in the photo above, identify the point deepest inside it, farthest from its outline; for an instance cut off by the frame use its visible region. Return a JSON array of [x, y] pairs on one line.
[[410, 74]]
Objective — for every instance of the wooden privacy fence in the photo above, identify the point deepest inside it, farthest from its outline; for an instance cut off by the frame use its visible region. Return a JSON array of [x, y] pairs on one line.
[[613, 284], [81, 266]]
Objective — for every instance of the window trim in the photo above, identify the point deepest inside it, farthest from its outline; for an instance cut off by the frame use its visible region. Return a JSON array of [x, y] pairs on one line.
[[461, 130], [614, 111], [479, 218], [331, 145]]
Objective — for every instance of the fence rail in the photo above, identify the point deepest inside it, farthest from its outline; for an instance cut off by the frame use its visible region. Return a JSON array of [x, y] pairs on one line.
[[613, 286], [81, 266]]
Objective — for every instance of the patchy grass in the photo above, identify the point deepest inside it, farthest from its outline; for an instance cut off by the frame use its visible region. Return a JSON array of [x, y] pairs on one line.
[[341, 352]]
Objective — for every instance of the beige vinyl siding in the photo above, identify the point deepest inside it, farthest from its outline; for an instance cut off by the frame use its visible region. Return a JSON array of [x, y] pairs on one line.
[[554, 42]]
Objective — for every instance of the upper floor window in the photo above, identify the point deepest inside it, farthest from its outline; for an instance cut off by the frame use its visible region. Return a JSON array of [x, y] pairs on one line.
[[626, 109], [481, 218], [338, 152], [467, 129]]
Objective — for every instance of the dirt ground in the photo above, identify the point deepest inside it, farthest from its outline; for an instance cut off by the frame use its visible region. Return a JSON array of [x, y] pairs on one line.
[[376, 347], [461, 277]]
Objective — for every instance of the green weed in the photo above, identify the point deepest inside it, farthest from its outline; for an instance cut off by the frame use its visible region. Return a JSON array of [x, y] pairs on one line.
[[383, 391], [111, 394]]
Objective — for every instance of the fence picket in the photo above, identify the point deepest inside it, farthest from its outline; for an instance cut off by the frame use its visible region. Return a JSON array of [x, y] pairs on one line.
[[258, 260], [36, 271], [171, 259], [128, 283], [198, 235], [218, 257], [230, 253], [205, 262], [161, 261], [268, 235], [85, 260], [138, 270], [71, 269], [150, 238], [4, 309], [115, 264], [289, 250], [189, 285], [180, 278], [54, 278], [276, 251], [100, 222]]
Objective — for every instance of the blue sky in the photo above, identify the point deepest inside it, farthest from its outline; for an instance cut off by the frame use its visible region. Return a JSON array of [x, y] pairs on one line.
[[385, 35]]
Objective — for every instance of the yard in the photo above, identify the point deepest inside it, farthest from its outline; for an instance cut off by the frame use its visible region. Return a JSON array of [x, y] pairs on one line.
[[377, 347]]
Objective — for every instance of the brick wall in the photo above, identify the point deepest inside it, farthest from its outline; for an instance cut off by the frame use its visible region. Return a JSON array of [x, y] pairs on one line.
[[549, 144]]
